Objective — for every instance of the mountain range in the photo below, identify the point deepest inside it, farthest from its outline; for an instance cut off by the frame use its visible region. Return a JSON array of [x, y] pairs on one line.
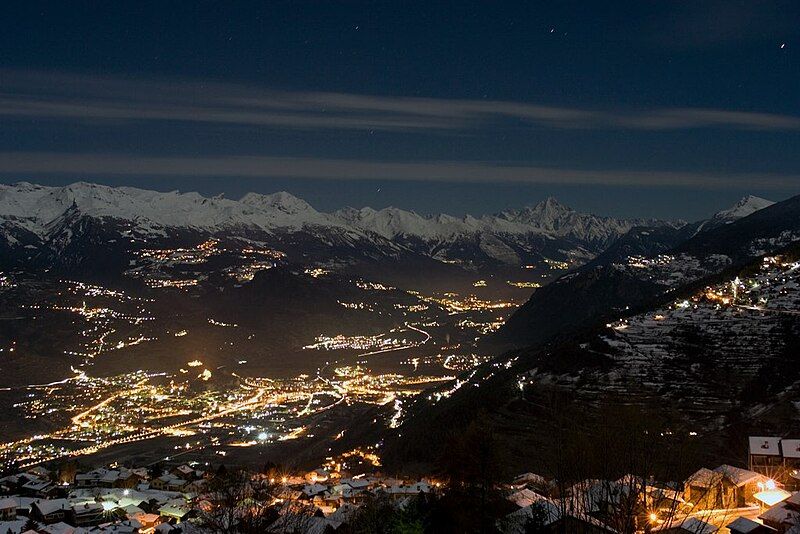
[[44, 221]]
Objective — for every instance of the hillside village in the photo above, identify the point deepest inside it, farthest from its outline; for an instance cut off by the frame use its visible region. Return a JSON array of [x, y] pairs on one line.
[[188, 498]]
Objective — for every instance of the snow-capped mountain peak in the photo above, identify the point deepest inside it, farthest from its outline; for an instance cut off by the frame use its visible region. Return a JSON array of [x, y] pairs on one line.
[[281, 201], [746, 206]]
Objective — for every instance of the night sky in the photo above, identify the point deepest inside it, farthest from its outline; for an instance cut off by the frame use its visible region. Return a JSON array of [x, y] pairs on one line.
[[667, 109]]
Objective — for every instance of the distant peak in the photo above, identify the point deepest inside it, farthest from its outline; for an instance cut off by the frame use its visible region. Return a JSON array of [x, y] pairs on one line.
[[281, 199], [746, 206], [549, 206], [752, 199]]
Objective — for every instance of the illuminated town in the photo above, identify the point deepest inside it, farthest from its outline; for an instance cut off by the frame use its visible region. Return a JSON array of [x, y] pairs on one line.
[[308, 267]]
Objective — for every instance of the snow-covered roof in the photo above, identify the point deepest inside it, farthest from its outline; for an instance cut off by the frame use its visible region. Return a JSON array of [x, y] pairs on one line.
[[790, 448], [765, 446], [61, 528], [48, 506], [739, 476], [9, 502], [314, 489], [744, 525], [781, 513], [704, 478], [524, 497], [15, 527], [174, 510]]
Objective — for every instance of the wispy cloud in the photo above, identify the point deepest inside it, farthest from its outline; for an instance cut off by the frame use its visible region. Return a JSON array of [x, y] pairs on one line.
[[14, 164], [58, 96]]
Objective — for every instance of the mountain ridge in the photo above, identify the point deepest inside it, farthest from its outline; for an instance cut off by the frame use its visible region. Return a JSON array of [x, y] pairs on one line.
[[528, 235]]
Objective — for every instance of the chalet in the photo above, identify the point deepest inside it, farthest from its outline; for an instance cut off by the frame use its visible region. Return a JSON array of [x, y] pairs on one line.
[[777, 458], [175, 511], [706, 489], [148, 521], [49, 511], [312, 490], [781, 517], [742, 525], [746, 483], [38, 488], [8, 508], [91, 479], [186, 472], [126, 479], [168, 482], [791, 461], [356, 483], [87, 514], [765, 451], [724, 487], [398, 491], [195, 486], [39, 472]]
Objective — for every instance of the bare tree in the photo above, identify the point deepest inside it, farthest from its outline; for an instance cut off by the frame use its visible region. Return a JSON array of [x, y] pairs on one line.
[[238, 503]]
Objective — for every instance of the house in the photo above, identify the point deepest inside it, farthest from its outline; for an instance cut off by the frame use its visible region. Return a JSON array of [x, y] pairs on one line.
[[312, 490], [127, 479], [8, 508], [196, 486], [185, 472], [765, 452], [175, 511], [781, 517], [39, 472], [147, 521], [724, 487], [776, 457], [37, 488], [791, 461], [747, 483], [87, 514], [742, 525], [50, 511], [168, 482], [91, 479]]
